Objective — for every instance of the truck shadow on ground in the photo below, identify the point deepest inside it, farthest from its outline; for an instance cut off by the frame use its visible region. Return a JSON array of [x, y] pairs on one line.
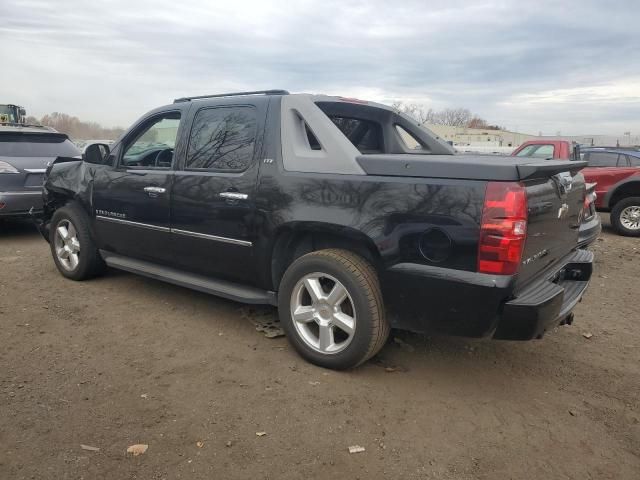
[[413, 357], [16, 229]]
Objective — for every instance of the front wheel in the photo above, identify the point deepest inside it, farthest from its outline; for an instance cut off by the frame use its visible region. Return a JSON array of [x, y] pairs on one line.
[[331, 307], [625, 217], [72, 247]]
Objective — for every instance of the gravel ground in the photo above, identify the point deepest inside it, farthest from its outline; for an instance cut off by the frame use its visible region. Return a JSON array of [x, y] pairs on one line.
[[124, 360]]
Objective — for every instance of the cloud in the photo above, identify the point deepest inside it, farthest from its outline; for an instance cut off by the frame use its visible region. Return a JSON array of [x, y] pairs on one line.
[[540, 66]]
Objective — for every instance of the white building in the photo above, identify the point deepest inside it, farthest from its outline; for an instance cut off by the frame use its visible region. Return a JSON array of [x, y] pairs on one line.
[[504, 141], [479, 136]]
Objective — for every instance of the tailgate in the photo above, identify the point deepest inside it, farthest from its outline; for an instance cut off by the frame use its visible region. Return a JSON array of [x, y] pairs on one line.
[[555, 211]]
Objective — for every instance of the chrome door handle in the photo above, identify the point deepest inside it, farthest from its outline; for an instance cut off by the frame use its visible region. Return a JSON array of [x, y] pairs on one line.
[[155, 189], [234, 195]]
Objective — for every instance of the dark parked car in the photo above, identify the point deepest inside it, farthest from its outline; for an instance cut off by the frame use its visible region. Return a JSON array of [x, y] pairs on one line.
[[24, 155], [348, 216]]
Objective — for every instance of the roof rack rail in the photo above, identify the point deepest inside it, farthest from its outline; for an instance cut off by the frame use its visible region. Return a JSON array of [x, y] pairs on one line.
[[235, 94]]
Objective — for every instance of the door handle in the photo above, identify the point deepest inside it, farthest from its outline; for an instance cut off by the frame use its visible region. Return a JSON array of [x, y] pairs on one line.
[[234, 195], [155, 189]]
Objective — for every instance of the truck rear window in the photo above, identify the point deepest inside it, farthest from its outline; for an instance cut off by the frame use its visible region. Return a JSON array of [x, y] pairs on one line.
[[36, 145], [365, 135]]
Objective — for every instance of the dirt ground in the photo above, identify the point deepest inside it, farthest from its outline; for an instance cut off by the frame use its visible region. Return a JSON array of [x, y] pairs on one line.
[[123, 360]]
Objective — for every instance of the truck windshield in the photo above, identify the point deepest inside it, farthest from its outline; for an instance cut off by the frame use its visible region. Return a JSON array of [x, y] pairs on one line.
[[7, 114], [36, 145]]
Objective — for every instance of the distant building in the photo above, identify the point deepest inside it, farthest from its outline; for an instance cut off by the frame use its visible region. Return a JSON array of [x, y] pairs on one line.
[[504, 141], [463, 136]]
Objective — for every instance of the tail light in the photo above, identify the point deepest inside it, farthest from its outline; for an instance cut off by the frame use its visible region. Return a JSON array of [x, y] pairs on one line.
[[588, 209], [504, 228], [585, 206]]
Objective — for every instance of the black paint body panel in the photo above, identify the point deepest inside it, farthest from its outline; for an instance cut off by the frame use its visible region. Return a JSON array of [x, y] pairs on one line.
[[384, 213]]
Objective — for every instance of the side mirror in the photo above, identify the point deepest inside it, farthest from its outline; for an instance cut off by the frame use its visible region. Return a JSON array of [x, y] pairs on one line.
[[22, 112], [96, 153]]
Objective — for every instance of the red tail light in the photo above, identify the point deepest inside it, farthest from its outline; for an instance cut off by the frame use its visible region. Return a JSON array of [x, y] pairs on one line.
[[504, 228]]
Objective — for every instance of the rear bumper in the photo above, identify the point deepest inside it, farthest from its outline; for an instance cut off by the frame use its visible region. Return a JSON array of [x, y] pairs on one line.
[[548, 302], [589, 231], [17, 204], [428, 299]]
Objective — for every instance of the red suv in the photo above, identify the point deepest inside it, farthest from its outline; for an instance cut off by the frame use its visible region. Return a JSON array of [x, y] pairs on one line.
[[616, 172]]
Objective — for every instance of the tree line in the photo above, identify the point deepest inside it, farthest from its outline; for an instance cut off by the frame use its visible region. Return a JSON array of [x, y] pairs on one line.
[[455, 117], [76, 128]]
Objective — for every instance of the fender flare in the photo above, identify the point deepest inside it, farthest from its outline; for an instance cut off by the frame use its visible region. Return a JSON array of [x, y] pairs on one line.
[[635, 178]]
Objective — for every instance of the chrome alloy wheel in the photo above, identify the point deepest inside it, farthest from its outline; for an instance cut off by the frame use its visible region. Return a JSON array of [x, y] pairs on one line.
[[630, 217], [67, 245], [323, 313]]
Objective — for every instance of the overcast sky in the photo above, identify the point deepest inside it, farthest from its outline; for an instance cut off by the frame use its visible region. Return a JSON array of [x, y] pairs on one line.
[[570, 66]]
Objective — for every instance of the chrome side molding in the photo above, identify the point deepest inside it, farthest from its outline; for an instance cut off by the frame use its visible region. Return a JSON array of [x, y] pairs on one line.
[[216, 238], [177, 231], [133, 224]]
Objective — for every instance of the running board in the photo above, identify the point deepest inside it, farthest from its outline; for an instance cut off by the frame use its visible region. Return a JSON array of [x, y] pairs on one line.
[[221, 288]]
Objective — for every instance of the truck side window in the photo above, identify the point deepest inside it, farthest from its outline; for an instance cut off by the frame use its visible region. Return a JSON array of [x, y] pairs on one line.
[[152, 147], [537, 151], [602, 159], [222, 139], [543, 151], [623, 161], [526, 151]]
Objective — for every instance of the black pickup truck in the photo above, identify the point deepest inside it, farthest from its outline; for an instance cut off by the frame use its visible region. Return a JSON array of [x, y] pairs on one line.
[[345, 214]]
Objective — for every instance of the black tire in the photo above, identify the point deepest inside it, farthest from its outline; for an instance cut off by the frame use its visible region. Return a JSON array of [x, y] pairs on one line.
[[89, 263], [360, 280], [616, 216]]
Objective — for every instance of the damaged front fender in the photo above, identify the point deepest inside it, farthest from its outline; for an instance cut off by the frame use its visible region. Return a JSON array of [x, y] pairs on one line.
[[66, 179]]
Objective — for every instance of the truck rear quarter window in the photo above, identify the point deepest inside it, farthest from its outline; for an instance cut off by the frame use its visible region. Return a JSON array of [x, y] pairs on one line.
[[222, 139], [365, 135], [409, 140]]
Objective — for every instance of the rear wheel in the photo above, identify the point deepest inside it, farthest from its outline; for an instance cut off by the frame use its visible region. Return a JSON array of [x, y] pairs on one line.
[[331, 307], [74, 251], [625, 217]]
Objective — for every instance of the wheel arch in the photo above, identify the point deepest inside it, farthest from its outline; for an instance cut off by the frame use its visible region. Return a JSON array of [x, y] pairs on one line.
[[624, 189], [297, 239]]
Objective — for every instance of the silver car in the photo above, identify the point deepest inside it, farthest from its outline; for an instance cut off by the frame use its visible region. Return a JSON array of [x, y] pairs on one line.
[[25, 152]]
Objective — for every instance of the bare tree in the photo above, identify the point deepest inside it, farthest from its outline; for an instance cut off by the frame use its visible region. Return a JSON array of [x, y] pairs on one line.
[[417, 112], [76, 128], [477, 122], [456, 117]]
